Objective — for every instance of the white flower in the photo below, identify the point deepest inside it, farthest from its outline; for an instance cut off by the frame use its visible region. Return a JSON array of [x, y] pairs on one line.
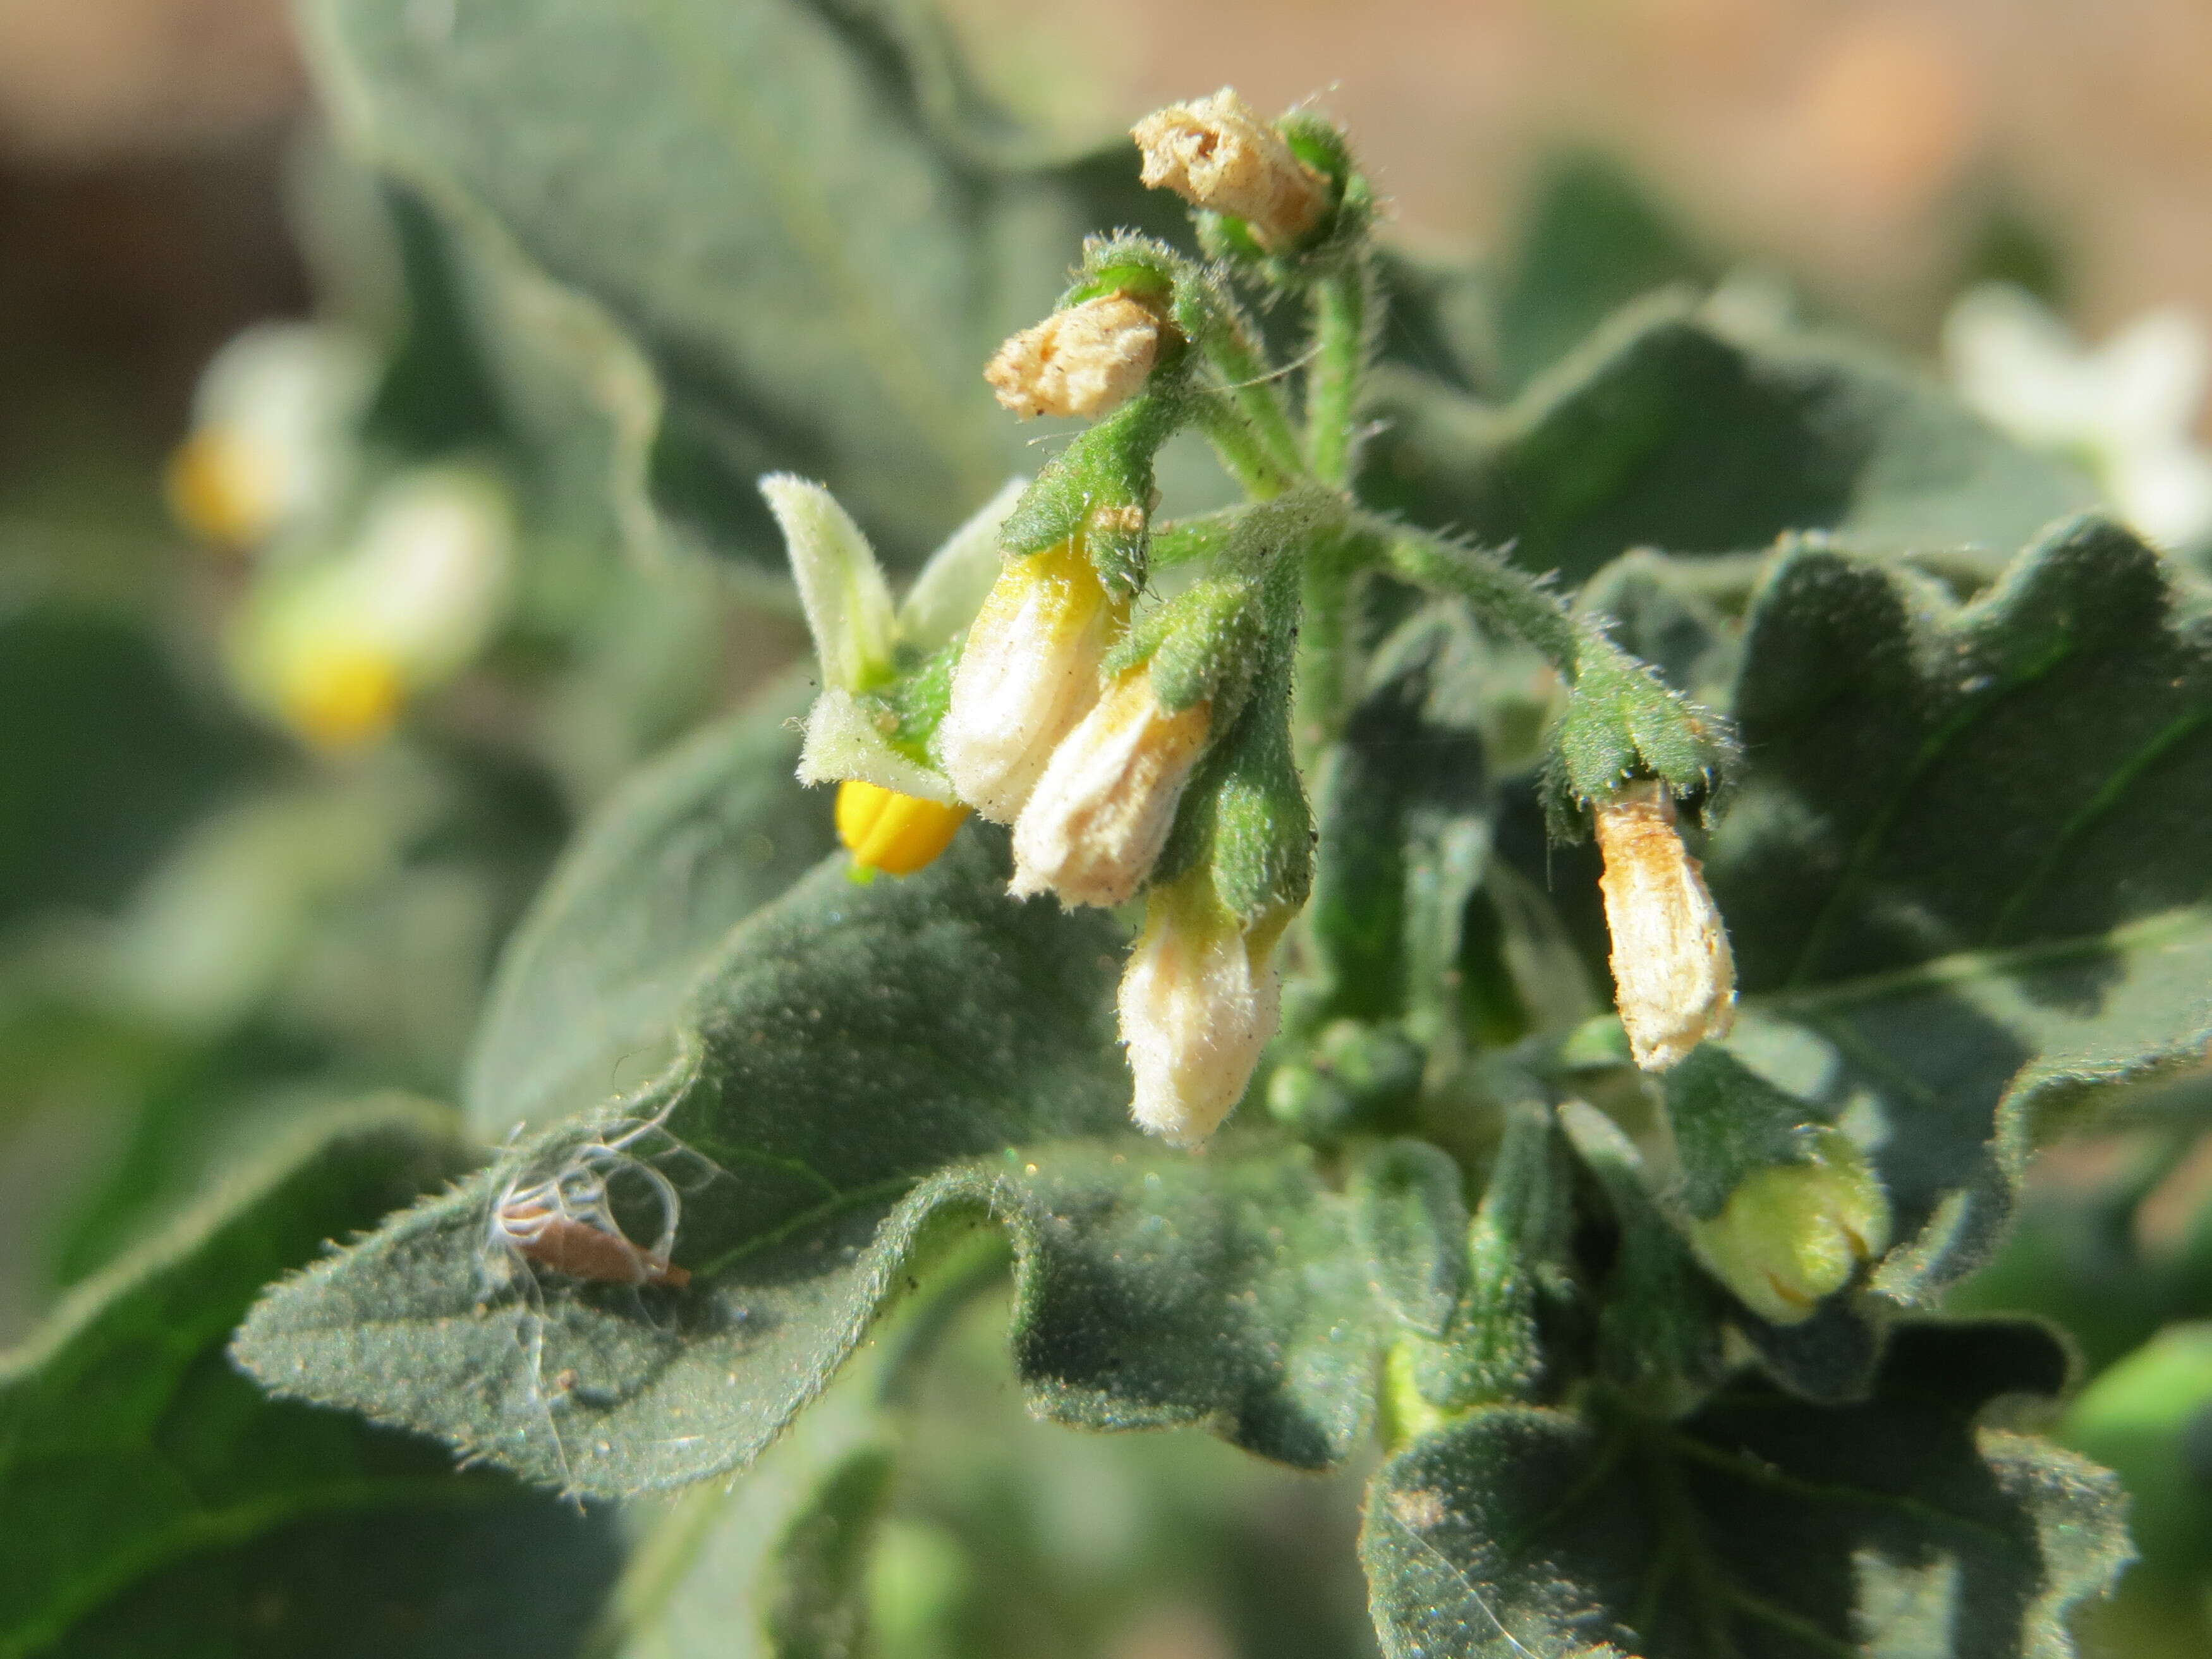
[[1027, 674], [858, 631], [271, 447], [1217, 153], [2125, 409], [1673, 977], [1199, 999], [1099, 816], [1086, 361], [335, 646]]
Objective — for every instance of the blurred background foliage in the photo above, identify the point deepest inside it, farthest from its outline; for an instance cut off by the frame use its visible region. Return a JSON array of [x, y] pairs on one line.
[[229, 896]]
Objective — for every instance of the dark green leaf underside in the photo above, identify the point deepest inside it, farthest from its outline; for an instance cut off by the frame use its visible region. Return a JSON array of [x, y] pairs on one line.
[[155, 1500], [865, 1070], [1761, 1528]]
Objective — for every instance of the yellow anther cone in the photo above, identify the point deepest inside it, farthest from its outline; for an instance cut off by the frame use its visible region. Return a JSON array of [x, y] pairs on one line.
[[888, 831]]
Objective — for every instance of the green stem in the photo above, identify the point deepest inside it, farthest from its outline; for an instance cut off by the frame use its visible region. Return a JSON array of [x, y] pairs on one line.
[[1341, 302], [1248, 381], [1494, 590], [1328, 668], [1242, 446]]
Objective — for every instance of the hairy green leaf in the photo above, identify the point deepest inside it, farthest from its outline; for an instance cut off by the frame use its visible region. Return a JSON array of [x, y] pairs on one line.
[[1666, 429], [155, 1500], [771, 213], [588, 993], [865, 1072], [1965, 875], [1761, 1528]]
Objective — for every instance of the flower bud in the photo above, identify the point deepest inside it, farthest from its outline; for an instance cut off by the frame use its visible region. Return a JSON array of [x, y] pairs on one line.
[[1674, 978], [1792, 1233], [1102, 811], [1217, 153], [897, 833], [1199, 999], [1027, 674], [1085, 360]]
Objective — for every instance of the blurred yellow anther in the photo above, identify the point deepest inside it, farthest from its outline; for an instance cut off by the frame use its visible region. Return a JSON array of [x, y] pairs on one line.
[[1217, 153], [220, 489], [1086, 361], [344, 700], [898, 833]]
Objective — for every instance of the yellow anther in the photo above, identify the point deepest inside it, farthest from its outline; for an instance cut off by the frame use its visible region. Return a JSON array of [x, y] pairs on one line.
[[218, 489], [886, 830], [342, 699]]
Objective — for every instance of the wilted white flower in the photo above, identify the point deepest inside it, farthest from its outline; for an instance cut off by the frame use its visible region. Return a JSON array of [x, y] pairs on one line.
[[271, 446], [1098, 818], [1792, 1234], [1673, 977], [2125, 409], [1086, 361], [336, 646], [1027, 674], [1199, 999], [1217, 153]]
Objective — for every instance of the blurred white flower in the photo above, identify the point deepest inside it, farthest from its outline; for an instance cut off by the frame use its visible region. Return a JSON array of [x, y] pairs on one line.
[[334, 647], [2125, 409], [271, 447]]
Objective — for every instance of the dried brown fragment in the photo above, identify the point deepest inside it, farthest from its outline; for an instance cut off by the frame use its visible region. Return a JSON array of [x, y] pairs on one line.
[[1086, 361], [1217, 153]]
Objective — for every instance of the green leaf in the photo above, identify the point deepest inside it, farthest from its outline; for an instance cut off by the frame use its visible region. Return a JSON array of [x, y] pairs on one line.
[[154, 1500], [848, 1042], [1403, 806], [1665, 430], [588, 993], [107, 756], [1964, 876], [1761, 1528], [1409, 1220], [865, 1074], [1591, 242], [769, 214]]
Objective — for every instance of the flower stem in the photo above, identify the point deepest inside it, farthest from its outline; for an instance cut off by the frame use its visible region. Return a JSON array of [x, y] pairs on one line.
[[1342, 301], [1242, 446], [1493, 590]]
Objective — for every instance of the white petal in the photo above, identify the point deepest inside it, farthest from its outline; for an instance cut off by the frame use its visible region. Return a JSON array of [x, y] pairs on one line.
[[949, 591]]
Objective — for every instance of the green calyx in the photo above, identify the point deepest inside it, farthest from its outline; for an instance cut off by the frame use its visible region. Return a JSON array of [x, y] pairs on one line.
[[1100, 488]]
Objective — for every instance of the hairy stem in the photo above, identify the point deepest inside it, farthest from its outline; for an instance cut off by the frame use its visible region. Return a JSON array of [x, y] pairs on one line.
[[1327, 670], [1242, 446], [1342, 302], [1495, 591], [1249, 382]]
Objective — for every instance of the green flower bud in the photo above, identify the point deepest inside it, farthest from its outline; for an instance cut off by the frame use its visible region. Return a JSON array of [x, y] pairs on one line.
[[1792, 1234]]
